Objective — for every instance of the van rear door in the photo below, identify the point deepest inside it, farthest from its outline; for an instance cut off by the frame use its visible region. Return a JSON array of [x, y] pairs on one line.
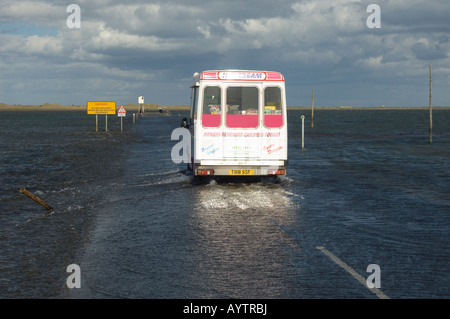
[[242, 120]]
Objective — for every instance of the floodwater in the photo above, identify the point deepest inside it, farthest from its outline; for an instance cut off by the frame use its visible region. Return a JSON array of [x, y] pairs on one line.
[[368, 187]]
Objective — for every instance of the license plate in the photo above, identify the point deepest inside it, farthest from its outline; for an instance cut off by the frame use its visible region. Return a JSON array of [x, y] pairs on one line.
[[240, 172]]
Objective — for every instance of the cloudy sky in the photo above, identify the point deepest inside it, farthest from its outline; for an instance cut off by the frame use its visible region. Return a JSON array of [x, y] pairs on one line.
[[124, 49]]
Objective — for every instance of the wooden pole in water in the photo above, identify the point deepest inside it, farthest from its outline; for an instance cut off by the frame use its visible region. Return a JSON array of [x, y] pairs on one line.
[[431, 112], [303, 131], [312, 110], [35, 198]]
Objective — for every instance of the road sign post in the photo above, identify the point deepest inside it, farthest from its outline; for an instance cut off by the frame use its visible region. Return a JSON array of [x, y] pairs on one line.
[[121, 112], [101, 108]]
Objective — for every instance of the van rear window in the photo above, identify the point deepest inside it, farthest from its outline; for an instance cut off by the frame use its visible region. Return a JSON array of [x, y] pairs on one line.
[[211, 106], [273, 116], [242, 107]]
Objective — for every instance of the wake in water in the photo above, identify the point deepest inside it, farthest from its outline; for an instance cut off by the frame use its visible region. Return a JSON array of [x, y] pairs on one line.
[[243, 196]]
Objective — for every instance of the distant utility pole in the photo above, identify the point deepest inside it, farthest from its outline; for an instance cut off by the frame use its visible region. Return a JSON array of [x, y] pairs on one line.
[[312, 109], [431, 113]]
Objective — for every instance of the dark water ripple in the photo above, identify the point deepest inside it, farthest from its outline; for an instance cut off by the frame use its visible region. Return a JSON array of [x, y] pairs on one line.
[[368, 187], [59, 158]]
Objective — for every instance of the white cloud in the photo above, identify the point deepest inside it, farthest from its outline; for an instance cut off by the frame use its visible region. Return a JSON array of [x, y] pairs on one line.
[[36, 12], [43, 45], [205, 30]]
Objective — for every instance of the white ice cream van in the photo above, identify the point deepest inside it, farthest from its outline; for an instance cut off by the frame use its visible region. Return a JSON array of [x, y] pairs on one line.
[[238, 124]]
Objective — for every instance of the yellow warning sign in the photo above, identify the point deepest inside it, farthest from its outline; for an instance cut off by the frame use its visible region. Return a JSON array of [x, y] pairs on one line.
[[101, 107]]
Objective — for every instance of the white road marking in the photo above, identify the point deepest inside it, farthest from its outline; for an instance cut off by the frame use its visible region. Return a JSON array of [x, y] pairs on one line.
[[349, 269]]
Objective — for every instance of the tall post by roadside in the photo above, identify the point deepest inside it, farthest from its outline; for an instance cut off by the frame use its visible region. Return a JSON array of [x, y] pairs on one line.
[[303, 131], [312, 109], [431, 112]]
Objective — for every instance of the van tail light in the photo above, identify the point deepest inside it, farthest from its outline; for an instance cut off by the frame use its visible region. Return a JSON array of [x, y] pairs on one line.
[[205, 172], [277, 172]]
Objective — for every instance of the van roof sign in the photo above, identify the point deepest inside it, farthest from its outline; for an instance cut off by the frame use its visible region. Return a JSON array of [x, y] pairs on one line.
[[241, 75]]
